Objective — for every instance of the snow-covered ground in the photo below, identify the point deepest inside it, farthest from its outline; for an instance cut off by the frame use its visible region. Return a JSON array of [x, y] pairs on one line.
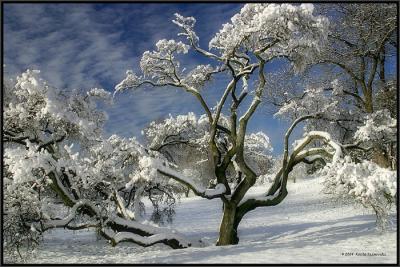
[[307, 227]]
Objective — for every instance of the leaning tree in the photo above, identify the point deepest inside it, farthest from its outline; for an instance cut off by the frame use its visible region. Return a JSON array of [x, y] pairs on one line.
[[257, 35]]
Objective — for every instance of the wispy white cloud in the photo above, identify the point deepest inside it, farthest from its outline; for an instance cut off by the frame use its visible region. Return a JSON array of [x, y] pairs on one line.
[[92, 45], [84, 46], [67, 42]]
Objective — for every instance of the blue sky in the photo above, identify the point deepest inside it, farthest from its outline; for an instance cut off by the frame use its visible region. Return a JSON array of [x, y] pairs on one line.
[[92, 45]]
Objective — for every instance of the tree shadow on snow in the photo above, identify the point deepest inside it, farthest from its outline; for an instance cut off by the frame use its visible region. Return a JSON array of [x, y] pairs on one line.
[[297, 235]]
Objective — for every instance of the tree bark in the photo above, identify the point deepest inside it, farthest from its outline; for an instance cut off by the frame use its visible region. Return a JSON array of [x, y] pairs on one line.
[[187, 191], [369, 107], [228, 228]]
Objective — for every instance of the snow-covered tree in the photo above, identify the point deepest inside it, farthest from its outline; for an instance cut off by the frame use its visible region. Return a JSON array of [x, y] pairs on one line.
[[355, 176], [366, 182], [379, 132], [361, 38], [373, 134], [54, 152], [183, 141], [353, 75], [258, 34]]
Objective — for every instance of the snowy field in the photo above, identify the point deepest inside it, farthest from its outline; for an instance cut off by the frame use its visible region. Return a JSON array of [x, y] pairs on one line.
[[307, 227]]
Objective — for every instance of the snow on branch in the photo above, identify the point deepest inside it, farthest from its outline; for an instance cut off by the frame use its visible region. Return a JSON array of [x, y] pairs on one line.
[[313, 154], [273, 30], [278, 191], [152, 234], [133, 81], [365, 182], [187, 26], [159, 67], [378, 126], [326, 137], [121, 207], [145, 241], [260, 198], [67, 220], [215, 192], [210, 193]]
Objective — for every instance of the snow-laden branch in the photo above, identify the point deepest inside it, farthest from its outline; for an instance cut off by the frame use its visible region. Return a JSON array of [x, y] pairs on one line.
[[365, 182], [325, 137], [116, 238], [260, 198], [139, 233], [312, 154], [187, 25], [277, 192], [60, 189], [209, 193], [149, 234], [290, 130], [132, 81], [121, 207], [113, 222], [67, 220]]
